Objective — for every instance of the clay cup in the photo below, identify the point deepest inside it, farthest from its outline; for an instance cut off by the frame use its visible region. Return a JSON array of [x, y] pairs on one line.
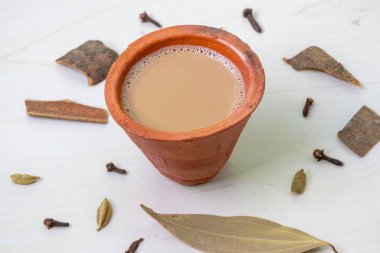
[[196, 156]]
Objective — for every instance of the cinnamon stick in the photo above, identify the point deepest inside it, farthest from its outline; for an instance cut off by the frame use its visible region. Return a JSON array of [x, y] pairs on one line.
[[65, 109]]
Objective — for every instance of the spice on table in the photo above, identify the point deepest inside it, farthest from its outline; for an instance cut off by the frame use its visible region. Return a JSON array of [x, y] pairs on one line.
[[299, 182], [145, 18], [24, 179], [49, 223], [320, 155], [306, 108], [215, 234], [315, 58], [112, 168], [134, 246], [65, 109], [92, 58], [362, 132], [247, 13], [104, 214]]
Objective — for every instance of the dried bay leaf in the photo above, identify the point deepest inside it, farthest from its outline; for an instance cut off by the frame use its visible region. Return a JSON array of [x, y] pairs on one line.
[[104, 214], [92, 58], [315, 58], [299, 182], [24, 179], [244, 234]]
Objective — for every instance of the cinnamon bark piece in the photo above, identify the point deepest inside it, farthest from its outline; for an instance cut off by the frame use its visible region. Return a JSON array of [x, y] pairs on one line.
[[362, 132], [92, 58], [315, 58], [65, 109]]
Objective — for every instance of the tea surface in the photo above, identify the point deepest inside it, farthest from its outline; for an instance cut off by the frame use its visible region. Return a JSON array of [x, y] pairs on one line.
[[182, 88]]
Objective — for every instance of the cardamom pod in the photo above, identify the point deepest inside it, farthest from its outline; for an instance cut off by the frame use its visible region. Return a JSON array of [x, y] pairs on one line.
[[24, 179], [104, 214], [299, 182]]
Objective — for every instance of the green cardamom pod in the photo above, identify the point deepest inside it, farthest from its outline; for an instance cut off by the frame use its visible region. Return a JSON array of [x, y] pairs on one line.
[[104, 214], [24, 179], [299, 182]]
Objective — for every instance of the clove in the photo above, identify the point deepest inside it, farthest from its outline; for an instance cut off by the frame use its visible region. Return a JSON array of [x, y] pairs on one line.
[[145, 18], [49, 223], [247, 13], [111, 167], [134, 246], [306, 108], [320, 155]]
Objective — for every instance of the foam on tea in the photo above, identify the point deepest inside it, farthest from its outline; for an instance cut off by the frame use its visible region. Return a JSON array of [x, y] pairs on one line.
[[180, 88]]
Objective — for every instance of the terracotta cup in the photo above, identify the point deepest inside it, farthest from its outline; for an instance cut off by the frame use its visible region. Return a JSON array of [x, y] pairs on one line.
[[196, 156]]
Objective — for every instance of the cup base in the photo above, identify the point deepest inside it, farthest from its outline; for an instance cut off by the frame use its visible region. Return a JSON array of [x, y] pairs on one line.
[[192, 181]]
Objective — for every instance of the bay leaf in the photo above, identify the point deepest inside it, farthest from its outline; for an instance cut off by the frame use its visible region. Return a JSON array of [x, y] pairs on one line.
[[104, 214], [24, 179], [237, 234]]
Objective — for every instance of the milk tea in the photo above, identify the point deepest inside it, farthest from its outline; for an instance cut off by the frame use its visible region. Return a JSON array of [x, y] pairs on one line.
[[181, 88]]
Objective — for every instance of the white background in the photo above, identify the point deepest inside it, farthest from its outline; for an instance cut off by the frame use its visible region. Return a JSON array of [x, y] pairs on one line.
[[340, 205]]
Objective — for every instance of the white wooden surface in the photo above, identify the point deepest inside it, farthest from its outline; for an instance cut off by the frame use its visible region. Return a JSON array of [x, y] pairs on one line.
[[340, 205]]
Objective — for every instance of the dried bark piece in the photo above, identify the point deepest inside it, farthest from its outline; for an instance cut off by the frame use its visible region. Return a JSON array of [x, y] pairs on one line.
[[315, 58], [362, 132], [92, 58], [65, 109]]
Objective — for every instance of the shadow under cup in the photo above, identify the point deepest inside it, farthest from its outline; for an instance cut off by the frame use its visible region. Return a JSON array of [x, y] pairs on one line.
[[196, 156]]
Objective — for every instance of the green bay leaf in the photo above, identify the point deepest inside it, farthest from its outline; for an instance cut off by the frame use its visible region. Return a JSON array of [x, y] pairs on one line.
[[237, 234]]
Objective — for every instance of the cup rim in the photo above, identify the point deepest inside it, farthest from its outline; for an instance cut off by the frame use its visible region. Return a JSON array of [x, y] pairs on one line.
[[197, 35]]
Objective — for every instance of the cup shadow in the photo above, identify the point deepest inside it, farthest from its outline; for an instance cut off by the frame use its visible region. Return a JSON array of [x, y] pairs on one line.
[[266, 141]]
